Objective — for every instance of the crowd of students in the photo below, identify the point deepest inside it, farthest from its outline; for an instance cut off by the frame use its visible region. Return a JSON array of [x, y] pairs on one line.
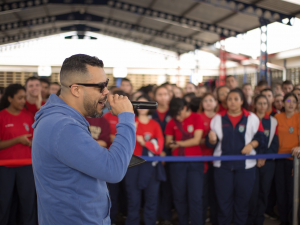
[[194, 121]]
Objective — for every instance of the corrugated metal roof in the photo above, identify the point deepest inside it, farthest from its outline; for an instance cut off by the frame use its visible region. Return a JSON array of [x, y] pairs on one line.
[[181, 25]]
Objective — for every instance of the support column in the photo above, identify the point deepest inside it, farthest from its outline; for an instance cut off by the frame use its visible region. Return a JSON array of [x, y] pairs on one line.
[[222, 69], [263, 50]]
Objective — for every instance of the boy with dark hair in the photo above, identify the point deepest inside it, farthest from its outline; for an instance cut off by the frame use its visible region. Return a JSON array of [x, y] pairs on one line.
[[54, 88], [34, 99], [126, 86], [45, 84], [231, 82], [287, 86]]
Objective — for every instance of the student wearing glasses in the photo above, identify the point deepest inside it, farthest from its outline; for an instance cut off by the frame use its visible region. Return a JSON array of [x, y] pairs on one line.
[[289, 135], [70, 168]]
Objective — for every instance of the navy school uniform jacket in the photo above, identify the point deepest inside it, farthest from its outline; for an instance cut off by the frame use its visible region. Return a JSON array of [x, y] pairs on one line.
[[232, 140], [269, 124], [163, 125]]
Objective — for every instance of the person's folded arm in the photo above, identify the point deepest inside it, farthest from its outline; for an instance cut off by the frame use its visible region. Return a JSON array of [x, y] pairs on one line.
[[192, 141], [77, 149]]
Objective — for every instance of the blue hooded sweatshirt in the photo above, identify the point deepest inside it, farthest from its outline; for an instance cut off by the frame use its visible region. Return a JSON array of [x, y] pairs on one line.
[[71, 169]]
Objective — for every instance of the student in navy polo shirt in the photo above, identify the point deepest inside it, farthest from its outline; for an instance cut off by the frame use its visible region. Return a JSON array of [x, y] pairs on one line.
[[183, 135], [15, 156], [146, 177], [235, 132], [265, 169], [162, 116]]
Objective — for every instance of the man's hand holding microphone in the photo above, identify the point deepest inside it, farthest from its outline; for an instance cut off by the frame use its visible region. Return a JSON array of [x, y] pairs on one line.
[[119, 104]]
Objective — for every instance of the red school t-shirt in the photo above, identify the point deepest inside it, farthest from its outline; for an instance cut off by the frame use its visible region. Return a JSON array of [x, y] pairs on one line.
[[206, 121], [32, 107], [161, 115], [235, 119], [189, 124], [99, 128], [12, 126], [112, 120], [149, 131]]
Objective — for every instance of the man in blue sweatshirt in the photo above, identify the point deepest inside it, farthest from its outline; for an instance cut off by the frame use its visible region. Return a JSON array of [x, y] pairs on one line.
[[70, 168]]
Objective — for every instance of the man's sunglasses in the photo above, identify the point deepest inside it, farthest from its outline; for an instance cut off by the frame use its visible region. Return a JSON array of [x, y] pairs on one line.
[[101, 85]]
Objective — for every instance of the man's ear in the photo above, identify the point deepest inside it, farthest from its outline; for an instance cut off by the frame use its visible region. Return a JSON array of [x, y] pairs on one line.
[[75, 90]]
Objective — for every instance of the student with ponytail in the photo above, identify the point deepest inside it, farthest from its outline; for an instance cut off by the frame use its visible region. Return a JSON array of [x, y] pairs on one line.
[[145, 177], [183, 135]]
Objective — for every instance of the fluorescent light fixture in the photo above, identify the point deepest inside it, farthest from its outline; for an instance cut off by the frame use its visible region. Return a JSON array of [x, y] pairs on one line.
[[297, 2], [120, 72], [44, 71]]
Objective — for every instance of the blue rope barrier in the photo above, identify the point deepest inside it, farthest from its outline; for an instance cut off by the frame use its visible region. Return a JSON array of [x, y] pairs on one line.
[[214, 158]]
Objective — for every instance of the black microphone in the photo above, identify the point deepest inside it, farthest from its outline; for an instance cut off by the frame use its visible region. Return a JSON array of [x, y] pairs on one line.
[[139, 105]]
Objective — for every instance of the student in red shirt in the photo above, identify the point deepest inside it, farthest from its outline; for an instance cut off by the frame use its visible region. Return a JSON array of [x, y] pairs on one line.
[[116, 191], [222, 93], [15, 156], [183, 135], [146, 177], [208, 106], [33, 95]]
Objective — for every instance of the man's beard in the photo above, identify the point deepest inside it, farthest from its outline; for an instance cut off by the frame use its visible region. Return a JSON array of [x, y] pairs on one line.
[[91, 107]]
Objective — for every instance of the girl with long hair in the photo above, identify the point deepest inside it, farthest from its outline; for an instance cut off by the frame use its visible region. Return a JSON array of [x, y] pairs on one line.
[[265, 169], [146, 177], [288, 134], [207, 109], [235, 131], [183, 135], [15, 156]]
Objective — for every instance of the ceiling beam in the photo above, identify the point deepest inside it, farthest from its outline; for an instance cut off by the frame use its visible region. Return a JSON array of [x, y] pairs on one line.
[[85, 17], [131, 8], [248, 9]]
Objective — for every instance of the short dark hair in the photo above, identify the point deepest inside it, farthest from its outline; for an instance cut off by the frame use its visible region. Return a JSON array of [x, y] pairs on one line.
[[229, 77], [242, 96], [151, 111], [262, 83], [77, 64], [55, 83], [287, 82], [195, 103], [191, 83], [120, 92], [266, 89], [190, 95], [10, 91], [45, 80], [31, 79], [126, 80], [176, 105], [159, 87], [246, 84]]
